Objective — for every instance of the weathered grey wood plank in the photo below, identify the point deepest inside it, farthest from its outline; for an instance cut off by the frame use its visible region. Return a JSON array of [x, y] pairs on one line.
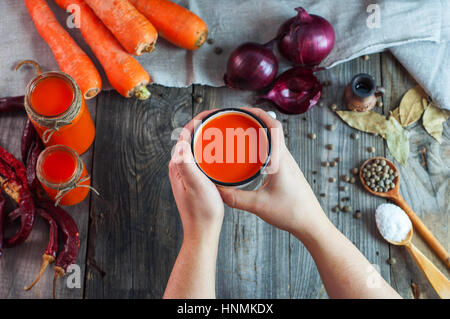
[[135, 231], [425, 187], [20, 265], [253, 259]]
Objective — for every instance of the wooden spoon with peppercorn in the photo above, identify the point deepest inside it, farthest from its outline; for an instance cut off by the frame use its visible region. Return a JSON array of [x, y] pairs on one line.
[[380, 177]]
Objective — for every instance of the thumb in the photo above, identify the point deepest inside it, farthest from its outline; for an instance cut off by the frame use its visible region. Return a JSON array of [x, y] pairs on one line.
[[240, 199], [185, 163]]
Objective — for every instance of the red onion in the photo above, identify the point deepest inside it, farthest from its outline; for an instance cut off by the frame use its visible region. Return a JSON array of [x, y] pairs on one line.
[[295, 91], [251, 66], [305, 39]]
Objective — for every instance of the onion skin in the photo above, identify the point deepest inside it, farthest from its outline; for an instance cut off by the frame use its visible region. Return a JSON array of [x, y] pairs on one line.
[[251, 66], [295, 91], [306, 39]]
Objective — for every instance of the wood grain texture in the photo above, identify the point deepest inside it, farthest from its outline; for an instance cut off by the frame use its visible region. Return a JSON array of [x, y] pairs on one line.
[[135, 231], [425, 185], [19, 266]]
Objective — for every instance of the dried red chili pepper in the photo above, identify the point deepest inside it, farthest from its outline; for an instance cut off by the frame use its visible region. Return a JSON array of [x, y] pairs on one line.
[[9, 182], [26, 203], [36, 149], [12, 216], [2, 219], [49, 255], [69, 253], [12, 104], [10, 187], [28, 137]]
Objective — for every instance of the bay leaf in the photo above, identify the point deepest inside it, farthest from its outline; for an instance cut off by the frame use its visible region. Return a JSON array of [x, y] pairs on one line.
[[411, 106], [370, 122], [424, 103], [433, 120], [397, 141], [396, 114]]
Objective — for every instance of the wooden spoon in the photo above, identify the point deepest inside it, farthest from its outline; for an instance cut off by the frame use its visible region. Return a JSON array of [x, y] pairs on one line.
[[394, 195], [437, 279]]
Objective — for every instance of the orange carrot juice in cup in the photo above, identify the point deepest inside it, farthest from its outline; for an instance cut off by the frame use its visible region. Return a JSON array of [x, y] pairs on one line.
[[232, 147]]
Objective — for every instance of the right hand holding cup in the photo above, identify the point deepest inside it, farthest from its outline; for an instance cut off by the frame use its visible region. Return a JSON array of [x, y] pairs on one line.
[[285, 200]]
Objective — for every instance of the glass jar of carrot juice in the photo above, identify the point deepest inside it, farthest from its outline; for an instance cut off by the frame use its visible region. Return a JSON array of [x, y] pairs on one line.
[[57, 109], [62, 175]]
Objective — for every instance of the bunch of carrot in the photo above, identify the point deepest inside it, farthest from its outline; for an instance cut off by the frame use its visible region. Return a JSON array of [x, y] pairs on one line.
[[115, 30]]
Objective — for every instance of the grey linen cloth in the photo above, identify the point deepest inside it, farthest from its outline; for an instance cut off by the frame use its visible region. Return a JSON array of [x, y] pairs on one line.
[[415, 30]]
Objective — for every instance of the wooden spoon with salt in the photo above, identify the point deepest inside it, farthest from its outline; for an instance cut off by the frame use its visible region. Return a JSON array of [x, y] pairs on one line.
[[435, 277], [394, 195]]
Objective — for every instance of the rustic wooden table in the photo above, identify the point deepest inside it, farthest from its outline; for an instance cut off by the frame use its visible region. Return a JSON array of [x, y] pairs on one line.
[[131, 233]]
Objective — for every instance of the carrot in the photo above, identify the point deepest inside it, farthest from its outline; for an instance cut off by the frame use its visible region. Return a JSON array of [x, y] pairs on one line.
[[174, 23], [124, 72], [71, 59], [136, 34]]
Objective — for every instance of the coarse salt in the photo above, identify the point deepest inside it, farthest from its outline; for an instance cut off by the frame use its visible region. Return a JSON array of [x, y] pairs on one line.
[[392, 222]]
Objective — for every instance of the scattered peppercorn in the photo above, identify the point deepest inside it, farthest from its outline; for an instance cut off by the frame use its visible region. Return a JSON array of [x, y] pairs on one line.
[[332, 179], [199, 99], [354, 136], [366, 57], [326, 164], [312, 136], [329, 147], [355, 171], [347, 208], [333, 106], [343, 188], [333, 163], [330, 127], [371, 149], [323, 195], [210, 41], [218, 50], [379, 104], [338, 159], [352, 180], [321, 103], [357, 215], [391, 261], [345, 178], [335, 209]]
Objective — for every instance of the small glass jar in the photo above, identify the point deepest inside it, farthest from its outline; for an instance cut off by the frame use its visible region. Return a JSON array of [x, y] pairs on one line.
[[63, 175], [73, 127]]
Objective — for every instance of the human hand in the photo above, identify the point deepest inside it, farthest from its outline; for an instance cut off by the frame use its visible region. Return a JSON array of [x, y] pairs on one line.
[[198, 200], [285, 200]]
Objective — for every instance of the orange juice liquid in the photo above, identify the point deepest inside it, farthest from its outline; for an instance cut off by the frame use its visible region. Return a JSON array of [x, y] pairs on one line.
[[237, 157], [51, 97], [58, 167]]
